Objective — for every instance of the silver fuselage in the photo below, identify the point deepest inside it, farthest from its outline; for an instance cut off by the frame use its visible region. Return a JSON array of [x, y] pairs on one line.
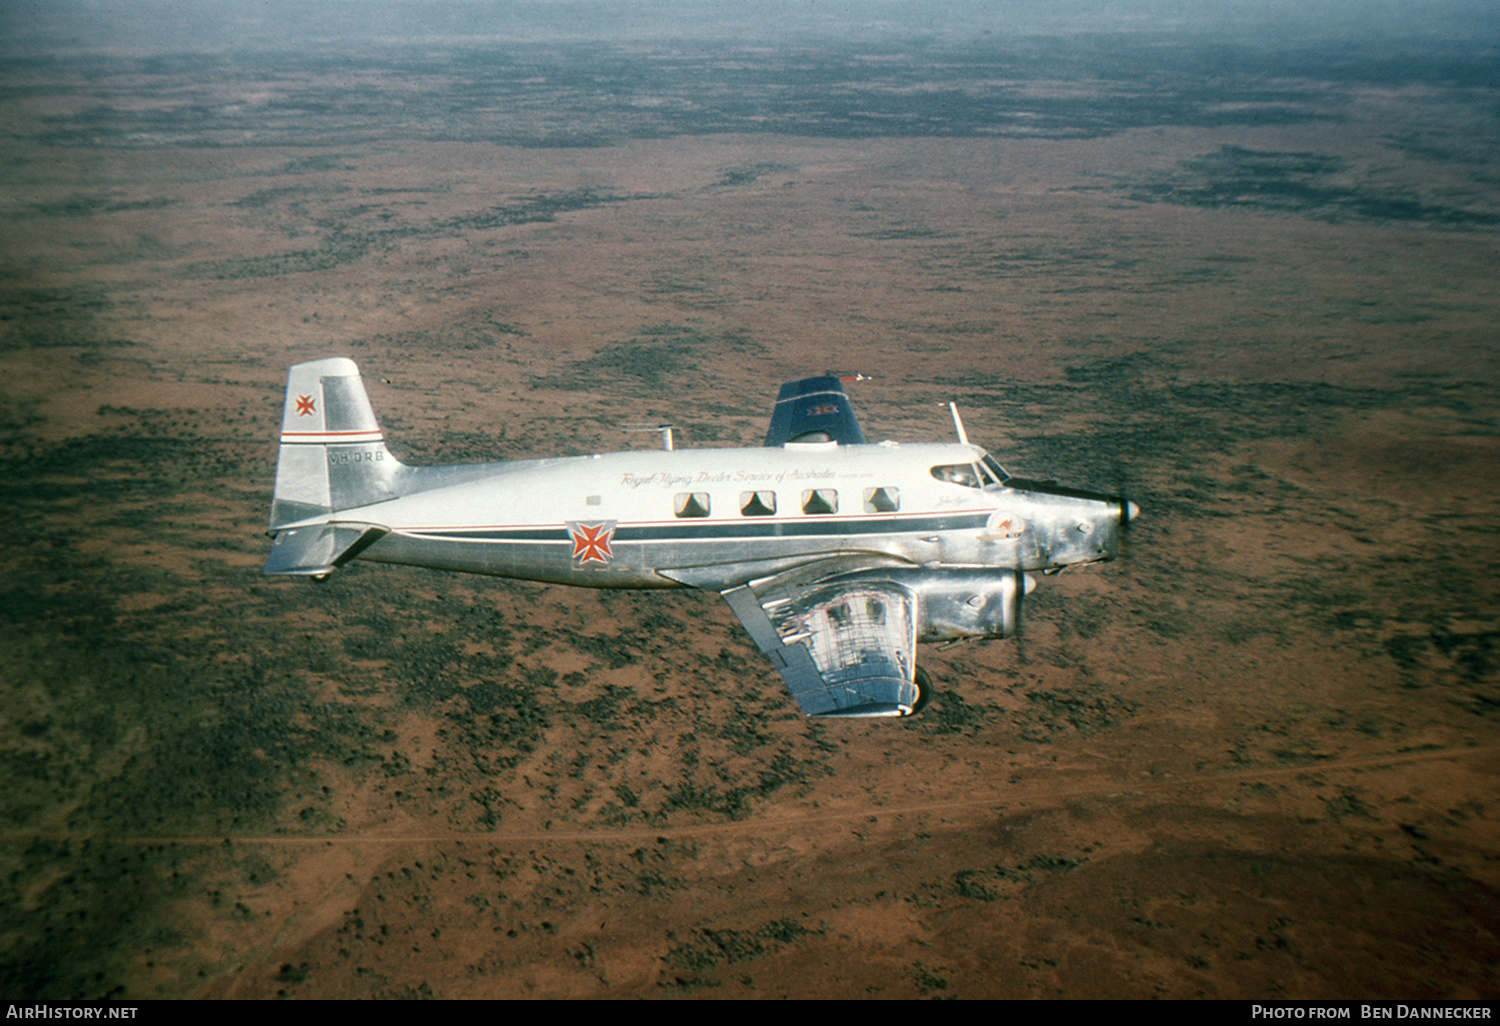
[[646, 514]]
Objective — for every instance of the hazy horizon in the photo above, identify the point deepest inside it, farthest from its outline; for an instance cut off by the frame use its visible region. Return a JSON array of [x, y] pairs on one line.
[[162, 27]]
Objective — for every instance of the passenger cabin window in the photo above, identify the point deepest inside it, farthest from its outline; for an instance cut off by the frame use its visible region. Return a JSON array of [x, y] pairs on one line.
[[758, 504], [690, 504], [882, 500], [820, 500], [957, 473]]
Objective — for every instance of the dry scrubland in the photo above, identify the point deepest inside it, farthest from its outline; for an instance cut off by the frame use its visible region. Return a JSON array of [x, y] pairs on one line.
[[1256, 757]]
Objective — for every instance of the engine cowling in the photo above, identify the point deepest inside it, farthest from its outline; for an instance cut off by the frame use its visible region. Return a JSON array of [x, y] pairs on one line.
[[978, 603], [957, 602], [963, 602]]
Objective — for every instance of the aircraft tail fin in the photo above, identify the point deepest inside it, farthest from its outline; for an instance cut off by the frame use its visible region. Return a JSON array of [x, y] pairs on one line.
[[814, 410], [333, 455]]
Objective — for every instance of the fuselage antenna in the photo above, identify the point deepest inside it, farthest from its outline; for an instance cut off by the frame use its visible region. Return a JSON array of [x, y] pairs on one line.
[[665, 429], [958, 423]]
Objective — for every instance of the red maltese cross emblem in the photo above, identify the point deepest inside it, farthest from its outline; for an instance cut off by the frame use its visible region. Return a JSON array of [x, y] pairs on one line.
[[306, 407], [591, 542]]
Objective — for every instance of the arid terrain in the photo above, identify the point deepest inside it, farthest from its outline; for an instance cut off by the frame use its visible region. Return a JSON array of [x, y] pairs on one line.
[[1255, 757]]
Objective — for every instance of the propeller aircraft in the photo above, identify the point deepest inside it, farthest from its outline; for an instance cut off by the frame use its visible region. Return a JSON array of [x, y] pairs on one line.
[[837, 555]]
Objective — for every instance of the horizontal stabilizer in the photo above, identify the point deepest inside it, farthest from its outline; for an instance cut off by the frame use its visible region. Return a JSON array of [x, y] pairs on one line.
[[320, 549]]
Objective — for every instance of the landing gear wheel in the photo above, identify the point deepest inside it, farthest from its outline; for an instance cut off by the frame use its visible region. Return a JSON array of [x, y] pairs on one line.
[[924, 690]]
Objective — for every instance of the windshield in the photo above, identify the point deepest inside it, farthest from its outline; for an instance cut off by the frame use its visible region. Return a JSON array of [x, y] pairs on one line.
[[984, 474], [995, 468]]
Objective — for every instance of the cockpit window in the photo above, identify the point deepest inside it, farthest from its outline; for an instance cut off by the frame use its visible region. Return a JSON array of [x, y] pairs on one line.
[[957, 473], [995, 468]]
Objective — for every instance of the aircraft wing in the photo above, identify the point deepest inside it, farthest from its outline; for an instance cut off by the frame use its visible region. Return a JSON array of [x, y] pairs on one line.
[[846, 646], [814, 410]]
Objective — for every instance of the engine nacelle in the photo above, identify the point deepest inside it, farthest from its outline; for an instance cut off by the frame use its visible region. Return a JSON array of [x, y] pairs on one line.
[[957, 602], [978, 603], [963, 602]]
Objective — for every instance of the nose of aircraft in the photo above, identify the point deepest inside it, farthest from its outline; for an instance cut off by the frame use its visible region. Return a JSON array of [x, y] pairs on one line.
[[1131, 511]]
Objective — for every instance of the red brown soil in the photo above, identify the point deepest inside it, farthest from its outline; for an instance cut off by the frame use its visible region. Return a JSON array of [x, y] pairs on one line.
[[1228, 796]]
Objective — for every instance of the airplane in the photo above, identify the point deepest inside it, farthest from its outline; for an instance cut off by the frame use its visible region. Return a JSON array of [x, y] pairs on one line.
[[837, 555]]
